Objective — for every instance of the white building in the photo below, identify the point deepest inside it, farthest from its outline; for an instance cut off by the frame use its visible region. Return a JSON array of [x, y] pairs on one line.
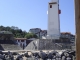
[[38, 32], [68, 35], [53, 20], [22, 42], [35, 31]]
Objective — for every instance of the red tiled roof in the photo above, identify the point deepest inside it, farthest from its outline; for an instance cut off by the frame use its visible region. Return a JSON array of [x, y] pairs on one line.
[[65, 33]]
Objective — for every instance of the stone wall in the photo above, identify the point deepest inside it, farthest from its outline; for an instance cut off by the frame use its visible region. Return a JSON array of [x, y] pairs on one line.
[[47, 45], [33, 45]]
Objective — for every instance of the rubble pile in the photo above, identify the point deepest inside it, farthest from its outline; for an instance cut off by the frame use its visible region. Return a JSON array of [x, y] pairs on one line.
[[53, 55]]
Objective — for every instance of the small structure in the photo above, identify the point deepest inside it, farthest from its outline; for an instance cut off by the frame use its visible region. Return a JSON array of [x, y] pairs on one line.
[[22, 42], [67, 35]]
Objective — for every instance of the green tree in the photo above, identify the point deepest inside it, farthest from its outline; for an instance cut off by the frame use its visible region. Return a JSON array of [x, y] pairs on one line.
[[18, 33], [30, 35], [35, 36]]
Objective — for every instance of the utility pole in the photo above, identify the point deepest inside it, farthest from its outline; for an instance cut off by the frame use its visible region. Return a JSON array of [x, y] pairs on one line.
[[77, 23]]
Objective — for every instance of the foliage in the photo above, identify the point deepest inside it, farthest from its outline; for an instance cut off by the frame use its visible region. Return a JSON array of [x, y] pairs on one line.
[[30, 35], [18, 33]]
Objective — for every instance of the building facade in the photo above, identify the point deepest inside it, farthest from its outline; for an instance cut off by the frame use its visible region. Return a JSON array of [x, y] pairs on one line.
[[22, 42], [38, 32], [68, 35]]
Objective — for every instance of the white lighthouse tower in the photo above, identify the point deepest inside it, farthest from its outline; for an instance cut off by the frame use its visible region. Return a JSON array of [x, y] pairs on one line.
[[53, 20]]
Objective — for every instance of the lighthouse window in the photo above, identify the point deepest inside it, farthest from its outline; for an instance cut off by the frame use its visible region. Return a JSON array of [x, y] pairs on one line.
[[50, 6]]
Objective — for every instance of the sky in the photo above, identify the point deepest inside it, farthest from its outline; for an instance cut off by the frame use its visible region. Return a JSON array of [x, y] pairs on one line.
[[27, 14]]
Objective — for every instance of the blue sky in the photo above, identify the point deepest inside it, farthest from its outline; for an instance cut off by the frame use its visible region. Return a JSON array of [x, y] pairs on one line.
[[27, 14]]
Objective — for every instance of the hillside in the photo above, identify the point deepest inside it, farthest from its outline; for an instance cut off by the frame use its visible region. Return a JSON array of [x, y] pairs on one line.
[[18, 33]]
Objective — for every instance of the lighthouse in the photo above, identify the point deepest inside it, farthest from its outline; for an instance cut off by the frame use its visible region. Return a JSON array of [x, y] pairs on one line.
[[53, 20]]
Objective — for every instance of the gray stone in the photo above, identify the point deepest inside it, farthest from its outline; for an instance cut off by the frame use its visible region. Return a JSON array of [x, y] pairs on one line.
[[46, 45]]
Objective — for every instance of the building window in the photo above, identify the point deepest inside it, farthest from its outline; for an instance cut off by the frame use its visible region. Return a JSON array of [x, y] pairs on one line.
[[50, 6], [18, 40], [22, 40]]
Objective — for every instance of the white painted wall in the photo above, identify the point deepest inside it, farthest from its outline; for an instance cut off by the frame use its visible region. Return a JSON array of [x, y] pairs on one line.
[[53, 21], [22, 43], [54, 0]]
